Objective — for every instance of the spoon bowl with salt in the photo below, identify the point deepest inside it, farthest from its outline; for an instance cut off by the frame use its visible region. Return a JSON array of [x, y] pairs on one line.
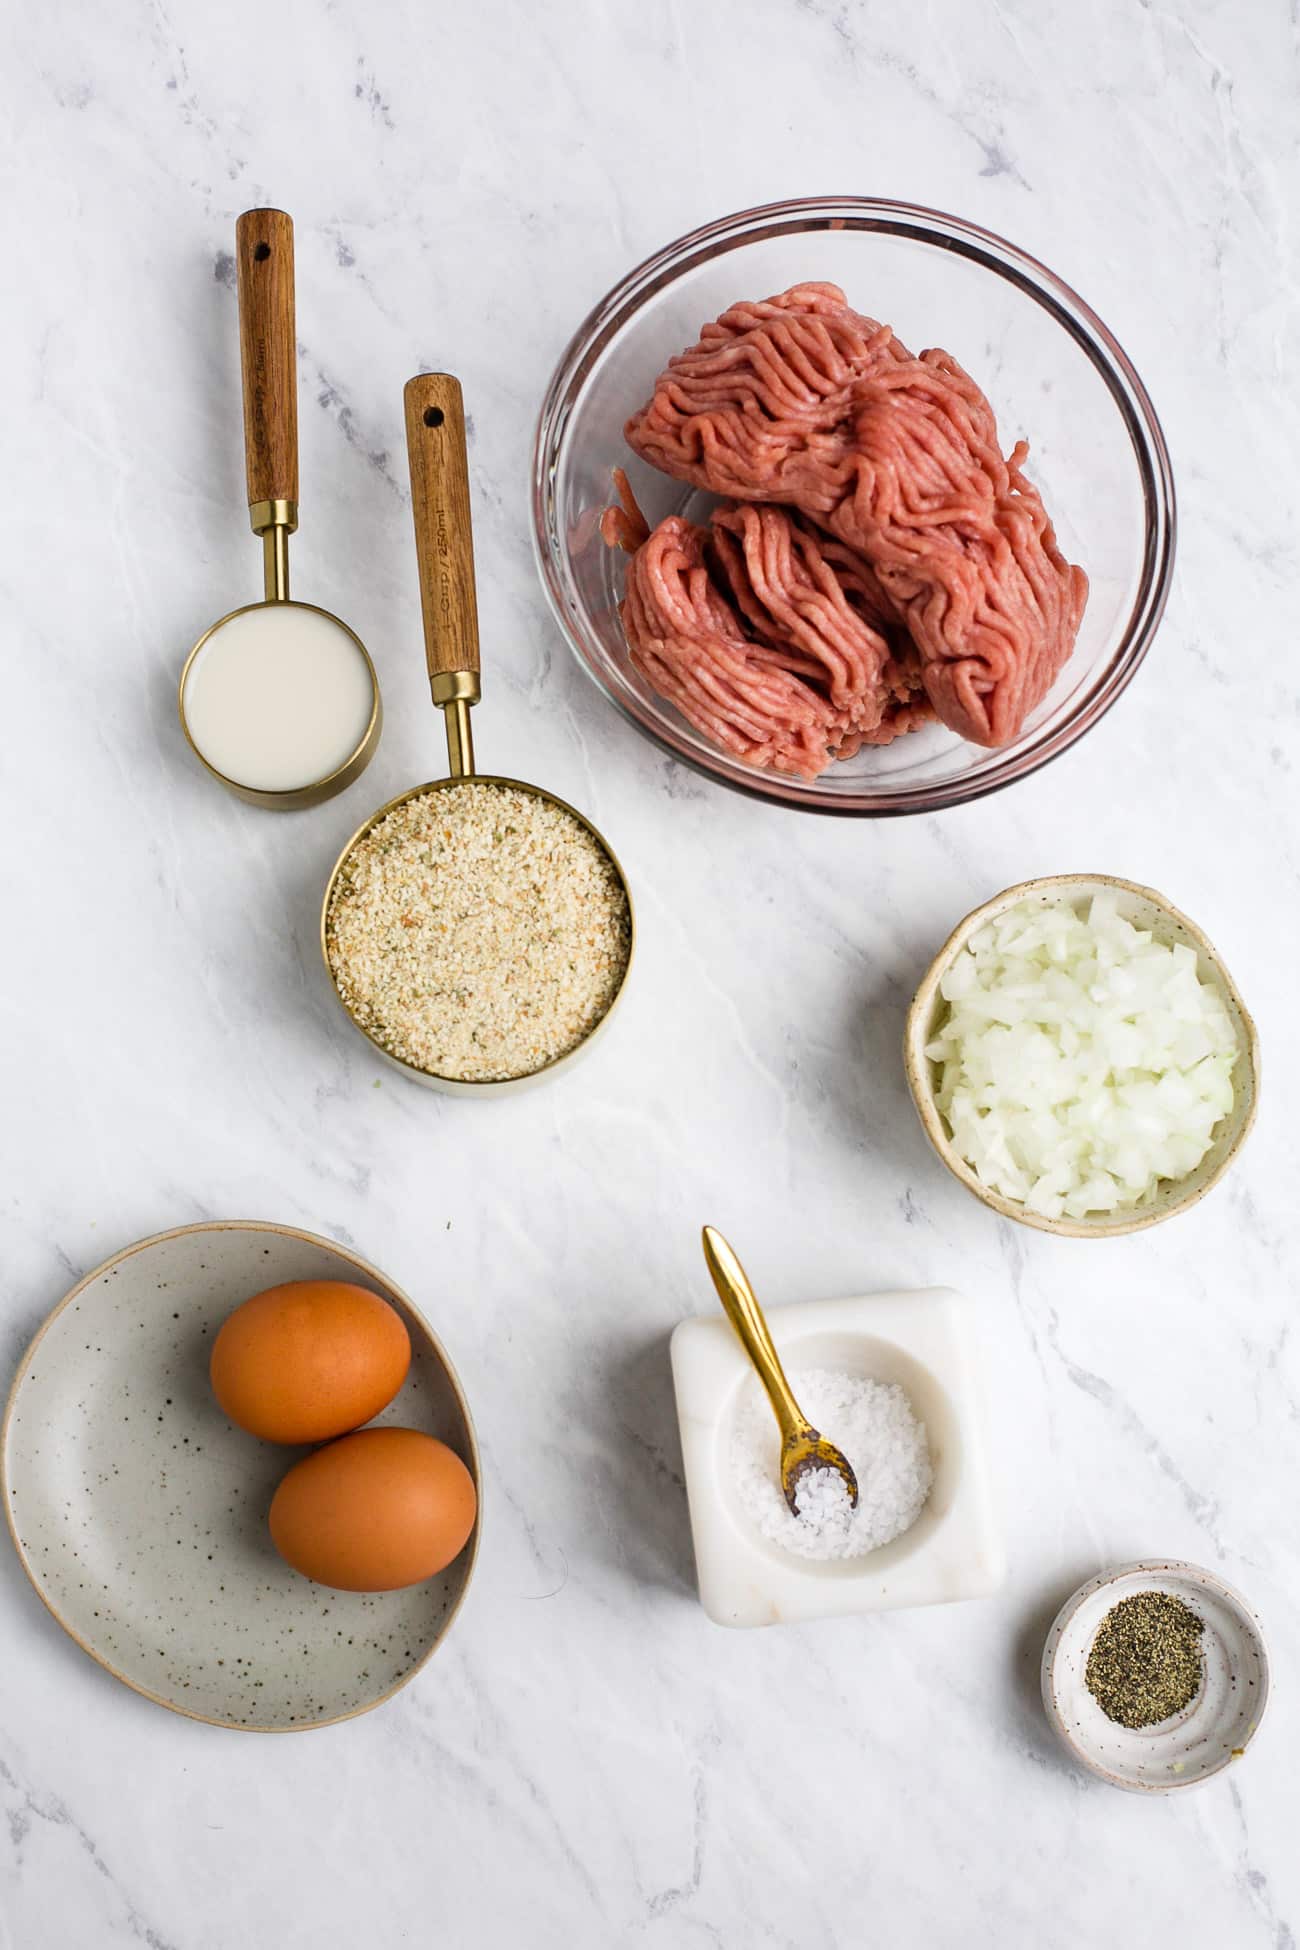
[[815, 1476]]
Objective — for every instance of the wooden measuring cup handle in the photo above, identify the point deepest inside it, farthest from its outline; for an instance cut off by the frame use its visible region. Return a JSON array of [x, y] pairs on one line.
[[444, 541], [269, 355]]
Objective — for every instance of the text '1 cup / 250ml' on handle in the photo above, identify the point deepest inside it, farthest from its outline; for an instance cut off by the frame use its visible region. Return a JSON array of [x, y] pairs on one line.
[[444, 547]]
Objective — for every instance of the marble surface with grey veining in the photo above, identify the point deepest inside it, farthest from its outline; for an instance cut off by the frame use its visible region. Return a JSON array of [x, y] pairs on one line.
[[588, 1763]]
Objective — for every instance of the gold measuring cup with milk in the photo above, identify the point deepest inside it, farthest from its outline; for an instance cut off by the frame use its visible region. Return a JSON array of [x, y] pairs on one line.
[[279, 700]]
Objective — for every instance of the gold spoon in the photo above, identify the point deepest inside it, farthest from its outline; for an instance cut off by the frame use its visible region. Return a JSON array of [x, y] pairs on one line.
[[802, 1448]]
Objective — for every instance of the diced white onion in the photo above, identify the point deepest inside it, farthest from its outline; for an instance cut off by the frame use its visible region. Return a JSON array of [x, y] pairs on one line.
[[1081, 1061]]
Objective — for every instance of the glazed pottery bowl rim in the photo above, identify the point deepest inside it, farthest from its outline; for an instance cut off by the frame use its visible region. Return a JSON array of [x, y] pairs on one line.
[[920, 1070], [1172, 1569]]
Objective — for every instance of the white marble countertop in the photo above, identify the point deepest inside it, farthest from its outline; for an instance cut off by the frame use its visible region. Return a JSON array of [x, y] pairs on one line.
[[588, 1762]]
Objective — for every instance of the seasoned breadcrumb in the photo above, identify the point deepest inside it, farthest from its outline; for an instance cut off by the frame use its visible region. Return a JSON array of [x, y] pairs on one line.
[[478, 932]]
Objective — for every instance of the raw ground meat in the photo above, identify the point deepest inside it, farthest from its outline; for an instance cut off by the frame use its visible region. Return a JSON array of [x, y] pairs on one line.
[[768, 636], [802, 402]]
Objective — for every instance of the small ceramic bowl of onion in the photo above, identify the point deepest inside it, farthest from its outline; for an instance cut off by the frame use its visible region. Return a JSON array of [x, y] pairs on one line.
[[1080, 1057]]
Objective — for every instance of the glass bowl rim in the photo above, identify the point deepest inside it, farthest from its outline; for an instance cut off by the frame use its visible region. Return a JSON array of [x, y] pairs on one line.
[[995, 254]]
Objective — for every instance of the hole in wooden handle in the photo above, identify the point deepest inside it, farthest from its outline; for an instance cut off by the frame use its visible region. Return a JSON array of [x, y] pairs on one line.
[[433, 416], [262, 252]]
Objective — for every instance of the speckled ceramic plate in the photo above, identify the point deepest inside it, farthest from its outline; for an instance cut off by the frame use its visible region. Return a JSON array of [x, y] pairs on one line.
[[1211, 1732], [139, 1511]]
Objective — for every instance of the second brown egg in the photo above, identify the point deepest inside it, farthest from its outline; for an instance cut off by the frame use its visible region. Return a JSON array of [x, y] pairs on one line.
[[381, 1509]]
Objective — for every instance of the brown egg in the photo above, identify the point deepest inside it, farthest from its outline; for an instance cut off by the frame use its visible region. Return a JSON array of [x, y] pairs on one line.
[[377, 1510], [309, 1360]]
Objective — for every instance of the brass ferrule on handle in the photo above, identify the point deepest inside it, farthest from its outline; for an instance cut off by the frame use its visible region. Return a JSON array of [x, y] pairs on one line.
[[444, 546], [746, 1316], [453, 692], [272, 514]]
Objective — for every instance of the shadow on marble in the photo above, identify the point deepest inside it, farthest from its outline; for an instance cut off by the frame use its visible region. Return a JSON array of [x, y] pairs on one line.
[[185, 776], [210, 282], [1024, 1670], [633, 1418], [229, 555], [861, 1080]]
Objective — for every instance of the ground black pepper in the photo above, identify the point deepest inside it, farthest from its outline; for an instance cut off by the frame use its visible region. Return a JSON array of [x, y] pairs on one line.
[[1145, 1664]]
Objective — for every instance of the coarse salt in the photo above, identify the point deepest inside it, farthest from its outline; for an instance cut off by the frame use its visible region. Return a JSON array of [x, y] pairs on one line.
[[874, 1427], [821, 1498]]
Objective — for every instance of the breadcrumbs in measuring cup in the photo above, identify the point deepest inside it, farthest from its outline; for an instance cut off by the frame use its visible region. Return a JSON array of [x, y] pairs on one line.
[[478, 932]]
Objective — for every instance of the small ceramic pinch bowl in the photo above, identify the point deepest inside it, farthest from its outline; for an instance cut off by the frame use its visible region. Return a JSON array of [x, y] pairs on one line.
[[954, 1548], [1145, 909], [1210, 1733], [139, 1512]]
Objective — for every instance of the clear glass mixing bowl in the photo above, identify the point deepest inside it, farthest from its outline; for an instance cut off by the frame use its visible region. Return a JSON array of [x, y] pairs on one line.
[[1053, 372]]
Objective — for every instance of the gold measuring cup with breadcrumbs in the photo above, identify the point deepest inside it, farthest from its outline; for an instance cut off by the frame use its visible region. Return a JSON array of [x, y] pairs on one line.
[[279, 700], [477, 931]]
